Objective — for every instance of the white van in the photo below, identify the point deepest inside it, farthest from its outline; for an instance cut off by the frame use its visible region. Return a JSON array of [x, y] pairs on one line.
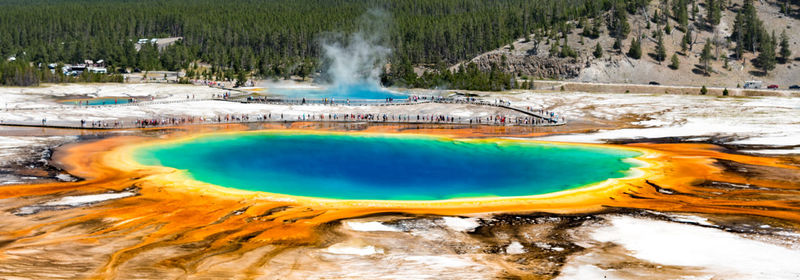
[[752, 84]]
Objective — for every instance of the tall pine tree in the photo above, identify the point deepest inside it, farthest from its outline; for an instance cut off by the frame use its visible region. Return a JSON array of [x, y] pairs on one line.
[[766, 58], [785, 52], [661, 51], [705, 57]]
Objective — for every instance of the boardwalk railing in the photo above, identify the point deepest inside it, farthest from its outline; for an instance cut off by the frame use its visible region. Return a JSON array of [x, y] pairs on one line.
[[531, 118], [552, 119], [328, 101], [386, 102], [284, 118]]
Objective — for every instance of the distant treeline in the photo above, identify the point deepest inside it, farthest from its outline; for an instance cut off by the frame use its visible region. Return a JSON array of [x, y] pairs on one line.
[[271, 38], [20, 73]]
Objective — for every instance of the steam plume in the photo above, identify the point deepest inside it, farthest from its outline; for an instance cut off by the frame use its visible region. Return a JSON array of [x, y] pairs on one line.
[[356, 60]]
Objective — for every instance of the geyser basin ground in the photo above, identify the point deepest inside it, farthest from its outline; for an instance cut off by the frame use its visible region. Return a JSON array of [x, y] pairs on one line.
[[386, 167]]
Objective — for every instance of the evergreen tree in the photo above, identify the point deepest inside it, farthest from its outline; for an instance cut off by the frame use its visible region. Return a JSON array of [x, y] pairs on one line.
[[683, 18], [681, 13], [713, 11], [554, 49], [635, 51], [748, 28], [241, 79], [618, 27], [665, 12], [617, 44], [598, 51], [304, 70], [785, 52], [705, 57], [766, 58], [738, 29], [703, 90], [566, 50], [675, 63], [686, 42], [661, 51], [596, 25]]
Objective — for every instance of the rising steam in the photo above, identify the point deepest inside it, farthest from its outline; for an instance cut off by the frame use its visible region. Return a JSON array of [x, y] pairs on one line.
[[356, 60]]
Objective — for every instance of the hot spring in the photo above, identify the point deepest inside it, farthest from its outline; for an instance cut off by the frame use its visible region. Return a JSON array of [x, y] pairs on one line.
[[386, 167], [98, 101], [341, 92]]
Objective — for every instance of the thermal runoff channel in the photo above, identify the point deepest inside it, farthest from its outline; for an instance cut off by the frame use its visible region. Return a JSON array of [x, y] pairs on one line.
[[383, 167]]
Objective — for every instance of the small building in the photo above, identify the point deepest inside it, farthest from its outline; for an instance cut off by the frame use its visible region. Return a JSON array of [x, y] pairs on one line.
[[52, 67], [73, 70], [160, 43], [752, 84], [78, 67], [98, 70]]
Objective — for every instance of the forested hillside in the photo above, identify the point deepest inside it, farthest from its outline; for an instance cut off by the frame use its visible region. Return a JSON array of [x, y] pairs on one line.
[[493, 44], [268, 37]]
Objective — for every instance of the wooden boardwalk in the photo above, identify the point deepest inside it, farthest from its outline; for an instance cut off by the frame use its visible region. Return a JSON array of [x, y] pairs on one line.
[[169, 121]]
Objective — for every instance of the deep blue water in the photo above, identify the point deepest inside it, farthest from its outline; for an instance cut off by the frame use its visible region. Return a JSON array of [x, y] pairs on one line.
[[99, 101], [387, 167], [352, 91]]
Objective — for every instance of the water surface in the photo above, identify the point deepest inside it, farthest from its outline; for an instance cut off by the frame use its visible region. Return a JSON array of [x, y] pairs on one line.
[[340, 92], [387, 167], [99, 101]]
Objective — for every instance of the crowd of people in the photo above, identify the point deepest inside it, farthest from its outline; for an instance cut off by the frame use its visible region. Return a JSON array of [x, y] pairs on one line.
[[220, 84], [223, 96], [553, 116], [103, 124], [496, 119], [338, 117], [536, 117]]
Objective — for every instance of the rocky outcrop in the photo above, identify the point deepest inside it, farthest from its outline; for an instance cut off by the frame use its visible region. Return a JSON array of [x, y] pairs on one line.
[[531, 65]]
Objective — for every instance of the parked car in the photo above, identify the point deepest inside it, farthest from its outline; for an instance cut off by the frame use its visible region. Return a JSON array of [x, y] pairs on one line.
[[654, 83], [794, 87], [772, 86]]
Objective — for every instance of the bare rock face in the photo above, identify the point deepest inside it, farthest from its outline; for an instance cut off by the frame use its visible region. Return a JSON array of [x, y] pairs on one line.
[[536, 66]]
